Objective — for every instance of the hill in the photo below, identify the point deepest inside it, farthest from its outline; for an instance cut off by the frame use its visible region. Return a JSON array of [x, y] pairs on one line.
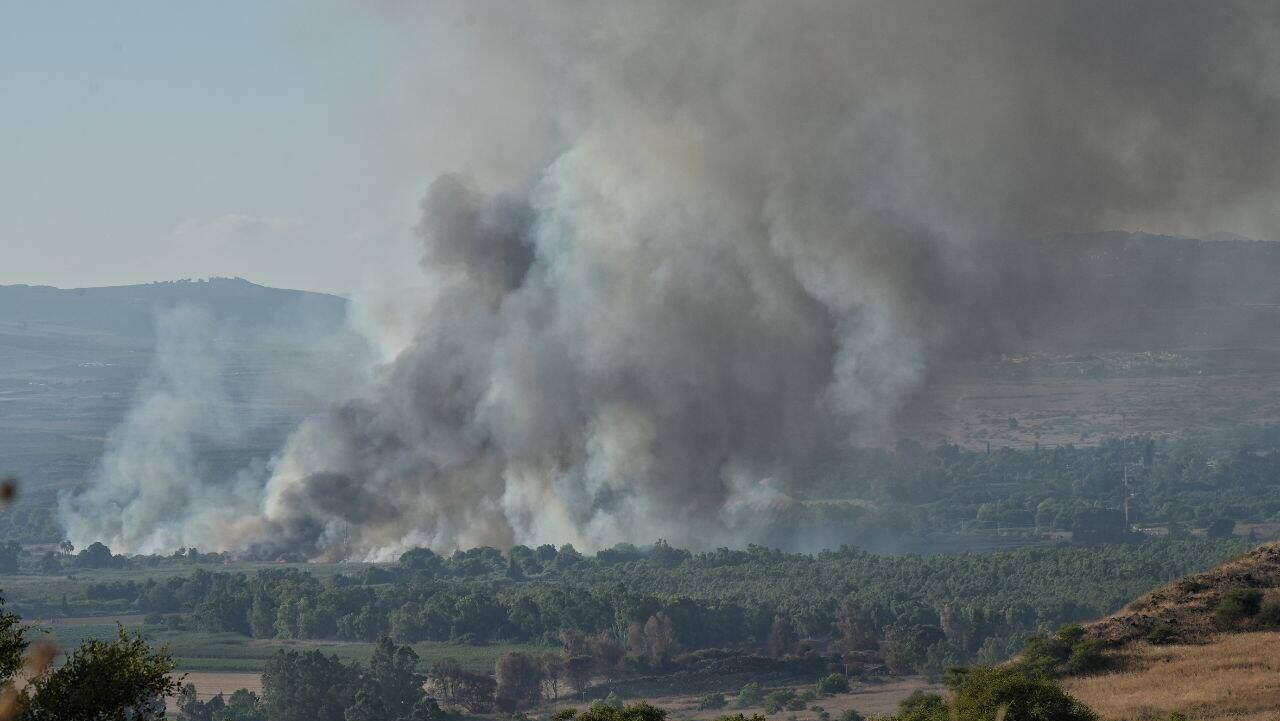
[[130, 310], [71, 360], [1186, 610], [1207, 645]]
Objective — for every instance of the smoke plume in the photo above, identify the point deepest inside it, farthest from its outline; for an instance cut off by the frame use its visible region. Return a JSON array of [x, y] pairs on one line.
[[694, 246]]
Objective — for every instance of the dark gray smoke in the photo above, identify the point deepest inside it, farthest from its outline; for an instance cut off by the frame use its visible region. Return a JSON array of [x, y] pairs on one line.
[[703, 244]]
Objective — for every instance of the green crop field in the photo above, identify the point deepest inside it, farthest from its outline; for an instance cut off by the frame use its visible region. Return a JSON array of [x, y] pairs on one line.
[[196, 651]]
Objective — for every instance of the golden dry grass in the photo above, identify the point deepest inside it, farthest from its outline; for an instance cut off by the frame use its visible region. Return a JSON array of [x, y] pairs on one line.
[[1234, 677]]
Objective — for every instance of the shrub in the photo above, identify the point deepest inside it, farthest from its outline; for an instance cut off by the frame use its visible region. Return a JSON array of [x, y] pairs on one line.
[[711, 702], [833, 684], [1237, 605], [1066, 651], [749, 695], [1086, 657], [851, 715], [807, 694], [1026, 696], [1269, 613], [1162, 634], [604, 712], [921, 706], [780, 699]]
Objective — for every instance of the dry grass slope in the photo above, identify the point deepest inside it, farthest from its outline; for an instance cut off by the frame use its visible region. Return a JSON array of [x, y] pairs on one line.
[[1210, 675], [1234, 677], [1187, 604]]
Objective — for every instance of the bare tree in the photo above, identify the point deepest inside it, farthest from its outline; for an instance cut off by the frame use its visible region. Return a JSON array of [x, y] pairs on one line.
[[659, 639], [519, 681], [577, 671], [475, 692], [443, 679], [856, 630], [635, 639], [782, 638], [608, 654], [552, 665]]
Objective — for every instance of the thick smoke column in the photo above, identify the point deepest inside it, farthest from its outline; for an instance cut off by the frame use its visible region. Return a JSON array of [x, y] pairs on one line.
[[722, 239]]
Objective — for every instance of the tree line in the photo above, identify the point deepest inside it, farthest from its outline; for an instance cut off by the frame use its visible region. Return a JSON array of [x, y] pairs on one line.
[[917, 609]]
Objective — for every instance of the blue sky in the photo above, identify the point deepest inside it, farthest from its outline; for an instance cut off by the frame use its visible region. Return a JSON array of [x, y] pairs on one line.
[[152, 140]]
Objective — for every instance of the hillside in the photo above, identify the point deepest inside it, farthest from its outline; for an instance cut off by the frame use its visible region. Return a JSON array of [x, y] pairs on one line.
[[1184, 610], [1176, 650]]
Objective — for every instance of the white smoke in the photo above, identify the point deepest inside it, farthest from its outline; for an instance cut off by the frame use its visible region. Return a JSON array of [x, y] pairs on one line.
[[706, 244]]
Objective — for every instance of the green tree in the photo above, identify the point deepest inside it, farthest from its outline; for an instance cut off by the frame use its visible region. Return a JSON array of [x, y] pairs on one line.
[[242, 705], [308, 686], [979, 692], [393, 678], [833, 684], [96, 555], [605, 712], [121, 680], [13, 644]]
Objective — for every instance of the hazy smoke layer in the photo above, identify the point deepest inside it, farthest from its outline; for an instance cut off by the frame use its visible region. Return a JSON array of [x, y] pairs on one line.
[[187, 464], [717, 238]]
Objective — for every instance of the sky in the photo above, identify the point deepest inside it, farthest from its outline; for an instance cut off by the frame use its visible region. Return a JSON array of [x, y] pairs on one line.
[[155, 140]]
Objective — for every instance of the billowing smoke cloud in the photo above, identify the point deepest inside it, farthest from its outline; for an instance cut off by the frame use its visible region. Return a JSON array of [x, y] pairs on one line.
[[188, 460], [704, 244]]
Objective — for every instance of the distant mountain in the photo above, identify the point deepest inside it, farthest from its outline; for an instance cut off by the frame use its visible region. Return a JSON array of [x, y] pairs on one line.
[[71, 361], [130, 309]]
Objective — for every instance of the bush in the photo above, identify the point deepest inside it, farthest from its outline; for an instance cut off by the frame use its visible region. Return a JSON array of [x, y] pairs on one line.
[[807, 694], [1086, 657], [1066, 651], [833, 684], [780, 699], [1270, 612], [1025, 694], [711, 701], [749, 695], [921, 706], [1236, 606], [1162, 634], [851, 715]]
